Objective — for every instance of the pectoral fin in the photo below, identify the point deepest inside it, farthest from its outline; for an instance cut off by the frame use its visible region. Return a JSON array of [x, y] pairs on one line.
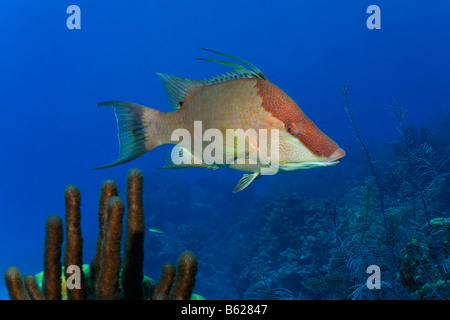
[[245, 181], [246, 152], [181, 158]]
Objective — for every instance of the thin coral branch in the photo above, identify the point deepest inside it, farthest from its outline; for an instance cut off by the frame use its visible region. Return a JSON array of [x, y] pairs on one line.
[[372, 167]]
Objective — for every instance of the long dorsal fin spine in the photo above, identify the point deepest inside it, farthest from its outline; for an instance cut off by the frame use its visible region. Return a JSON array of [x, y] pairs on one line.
[[255, 69], [178, 88], [236, 66]]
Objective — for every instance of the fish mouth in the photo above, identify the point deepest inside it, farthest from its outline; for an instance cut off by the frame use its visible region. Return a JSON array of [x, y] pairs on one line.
[[336, 155], [332, 160]]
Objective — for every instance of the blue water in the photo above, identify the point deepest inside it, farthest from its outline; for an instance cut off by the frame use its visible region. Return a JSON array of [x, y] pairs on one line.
[[52, 132]]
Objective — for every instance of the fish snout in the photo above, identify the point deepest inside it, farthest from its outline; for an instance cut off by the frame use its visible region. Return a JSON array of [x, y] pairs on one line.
[[338, 154]]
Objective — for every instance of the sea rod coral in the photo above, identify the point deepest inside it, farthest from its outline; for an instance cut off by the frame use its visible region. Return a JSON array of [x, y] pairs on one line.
[[107, 277]]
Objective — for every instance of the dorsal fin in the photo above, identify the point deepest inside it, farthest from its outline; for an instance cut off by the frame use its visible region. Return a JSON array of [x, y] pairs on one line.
[[246, 72], [178, 88]]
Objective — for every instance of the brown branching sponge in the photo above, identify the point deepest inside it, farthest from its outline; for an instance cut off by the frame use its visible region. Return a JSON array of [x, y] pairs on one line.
[[162, 288], [107, 277], [51, 284], [73, 251], [108, 190], [33, 288], [185, 277], [15, 285], [133, 263], [177, 284]]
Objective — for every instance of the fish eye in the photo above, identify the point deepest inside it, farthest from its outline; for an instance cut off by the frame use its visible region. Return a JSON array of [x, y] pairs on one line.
[[292, 129]]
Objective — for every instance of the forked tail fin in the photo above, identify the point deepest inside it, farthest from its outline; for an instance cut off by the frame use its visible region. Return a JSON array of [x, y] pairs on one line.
[[136, 130]]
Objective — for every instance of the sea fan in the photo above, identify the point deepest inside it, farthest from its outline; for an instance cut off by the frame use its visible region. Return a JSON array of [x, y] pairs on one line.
[[265, 288], [420, 167], [390, 215]]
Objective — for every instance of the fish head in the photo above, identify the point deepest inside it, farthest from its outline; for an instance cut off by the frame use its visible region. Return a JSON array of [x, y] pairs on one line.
[[302, 145]]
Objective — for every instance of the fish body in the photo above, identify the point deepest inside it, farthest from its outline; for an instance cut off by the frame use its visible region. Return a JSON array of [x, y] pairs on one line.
[[215, 114]]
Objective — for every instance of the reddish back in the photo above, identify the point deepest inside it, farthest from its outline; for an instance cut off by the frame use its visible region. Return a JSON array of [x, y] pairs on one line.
[[275, 101]]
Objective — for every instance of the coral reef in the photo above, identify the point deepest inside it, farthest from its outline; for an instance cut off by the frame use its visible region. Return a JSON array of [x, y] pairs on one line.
[[395, 223], [107, 277], [291, 243], [421, 261], [396, 217]]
